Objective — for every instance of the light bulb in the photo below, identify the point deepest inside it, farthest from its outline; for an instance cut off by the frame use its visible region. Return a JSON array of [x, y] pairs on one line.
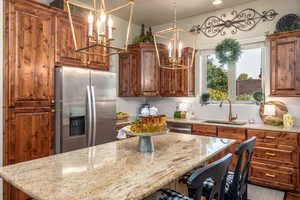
[[90, 18], [217, 2], [90, 22], [110, 27], [180, 45], [170, 49], [110, 22], [98, 23], [103, 16]]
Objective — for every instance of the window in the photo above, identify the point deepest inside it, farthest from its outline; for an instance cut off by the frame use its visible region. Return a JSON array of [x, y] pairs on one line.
[[241, 82]]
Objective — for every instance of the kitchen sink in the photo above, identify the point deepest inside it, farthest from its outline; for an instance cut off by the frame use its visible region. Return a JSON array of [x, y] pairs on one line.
[[225, 122]]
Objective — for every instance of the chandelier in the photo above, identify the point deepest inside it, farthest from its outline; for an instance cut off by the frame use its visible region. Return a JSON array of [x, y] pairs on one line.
[[174, 38], [100, 27]]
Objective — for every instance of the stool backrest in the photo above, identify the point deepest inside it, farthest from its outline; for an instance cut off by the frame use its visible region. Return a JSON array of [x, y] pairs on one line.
[[244, 152], [217, 171]]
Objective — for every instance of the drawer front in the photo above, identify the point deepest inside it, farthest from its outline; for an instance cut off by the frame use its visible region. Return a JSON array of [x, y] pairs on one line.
[[205, 134], [205, 130], [275, 155], [273, 176], [274, 138], [232, 133]]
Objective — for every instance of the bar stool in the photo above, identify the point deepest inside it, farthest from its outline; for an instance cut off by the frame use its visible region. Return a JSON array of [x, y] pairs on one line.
[[215, 171], [236, 187]]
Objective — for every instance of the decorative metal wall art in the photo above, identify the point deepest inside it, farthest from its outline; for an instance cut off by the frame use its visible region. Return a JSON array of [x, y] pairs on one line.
[[245, 20]]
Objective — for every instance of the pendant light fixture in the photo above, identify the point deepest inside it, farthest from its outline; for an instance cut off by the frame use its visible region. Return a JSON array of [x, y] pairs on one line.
[[100, 27], [175, 38]]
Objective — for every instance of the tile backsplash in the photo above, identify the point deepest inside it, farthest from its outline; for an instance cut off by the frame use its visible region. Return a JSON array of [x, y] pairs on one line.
[[213, 111]]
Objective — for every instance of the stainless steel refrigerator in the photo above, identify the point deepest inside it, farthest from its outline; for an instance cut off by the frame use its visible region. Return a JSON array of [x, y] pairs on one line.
[[85, 103]]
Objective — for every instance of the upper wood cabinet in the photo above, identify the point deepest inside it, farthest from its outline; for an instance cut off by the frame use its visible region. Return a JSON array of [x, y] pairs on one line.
[[167, 80], [140, 75], [285, 64], [129, 75], [184, 79], [30, 74], [64, 45], [149, 71], [65, 49], [97, 61]]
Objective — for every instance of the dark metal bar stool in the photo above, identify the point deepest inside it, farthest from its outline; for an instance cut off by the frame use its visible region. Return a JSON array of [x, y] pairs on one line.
[[236, 187], [215, 171]]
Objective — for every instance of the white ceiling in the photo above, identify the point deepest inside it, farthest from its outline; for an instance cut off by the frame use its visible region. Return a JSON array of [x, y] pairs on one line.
[[155, 12]]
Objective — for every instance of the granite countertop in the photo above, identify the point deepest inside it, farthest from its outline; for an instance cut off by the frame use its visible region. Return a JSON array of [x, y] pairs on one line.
[[256, 126], [113, 170]]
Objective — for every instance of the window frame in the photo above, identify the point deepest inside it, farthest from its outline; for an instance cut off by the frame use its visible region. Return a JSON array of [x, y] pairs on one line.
[[203, 69]]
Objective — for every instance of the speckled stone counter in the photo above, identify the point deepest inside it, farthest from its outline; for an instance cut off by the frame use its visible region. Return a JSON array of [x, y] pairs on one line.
[[247, 126], [113, 171]]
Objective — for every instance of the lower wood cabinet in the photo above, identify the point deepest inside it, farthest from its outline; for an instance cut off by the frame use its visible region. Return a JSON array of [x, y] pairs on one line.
[[29, 136], [274, 176], [205, 130], [275, 162]]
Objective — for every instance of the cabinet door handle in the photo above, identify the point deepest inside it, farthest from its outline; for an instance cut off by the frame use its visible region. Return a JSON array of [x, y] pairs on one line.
[[270, 154], [270, 175], [269, 137]]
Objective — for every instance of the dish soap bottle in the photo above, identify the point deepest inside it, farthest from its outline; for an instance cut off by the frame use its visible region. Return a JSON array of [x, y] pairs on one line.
[[177, 113]]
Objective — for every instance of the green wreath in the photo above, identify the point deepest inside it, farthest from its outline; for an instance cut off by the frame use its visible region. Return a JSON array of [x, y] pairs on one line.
[[228, 51]]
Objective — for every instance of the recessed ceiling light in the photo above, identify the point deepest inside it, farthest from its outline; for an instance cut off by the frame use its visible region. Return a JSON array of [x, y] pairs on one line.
[[217, 2]]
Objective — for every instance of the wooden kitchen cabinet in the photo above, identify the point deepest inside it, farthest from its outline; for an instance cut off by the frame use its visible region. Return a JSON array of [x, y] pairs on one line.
[[167, 88], [180, 82], [28, 84], [64, 44], [285, 64], [275, 162], [238, 134], [31, 134], [96, 61], [184, 79], [30, 75], [205, 130], [129, 75], [275, 159], [139, 73], [65, 48]]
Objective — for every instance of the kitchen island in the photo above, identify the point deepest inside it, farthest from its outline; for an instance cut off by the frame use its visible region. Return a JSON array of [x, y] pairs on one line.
[[113, 170]]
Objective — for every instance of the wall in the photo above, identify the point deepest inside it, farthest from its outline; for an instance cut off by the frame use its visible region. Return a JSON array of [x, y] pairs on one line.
[[167, 106]]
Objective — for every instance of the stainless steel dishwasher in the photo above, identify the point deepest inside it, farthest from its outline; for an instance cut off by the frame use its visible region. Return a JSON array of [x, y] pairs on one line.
[[180, 128]]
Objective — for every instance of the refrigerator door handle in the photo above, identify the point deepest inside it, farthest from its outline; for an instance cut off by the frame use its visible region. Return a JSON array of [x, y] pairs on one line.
[[89, 114], [93, 100]]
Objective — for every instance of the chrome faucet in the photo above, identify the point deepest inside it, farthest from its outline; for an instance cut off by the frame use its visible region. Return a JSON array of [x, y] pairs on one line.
[[230, 115]]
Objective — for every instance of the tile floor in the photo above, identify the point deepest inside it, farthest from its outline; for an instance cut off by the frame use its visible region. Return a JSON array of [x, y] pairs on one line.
[[262, 193]]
